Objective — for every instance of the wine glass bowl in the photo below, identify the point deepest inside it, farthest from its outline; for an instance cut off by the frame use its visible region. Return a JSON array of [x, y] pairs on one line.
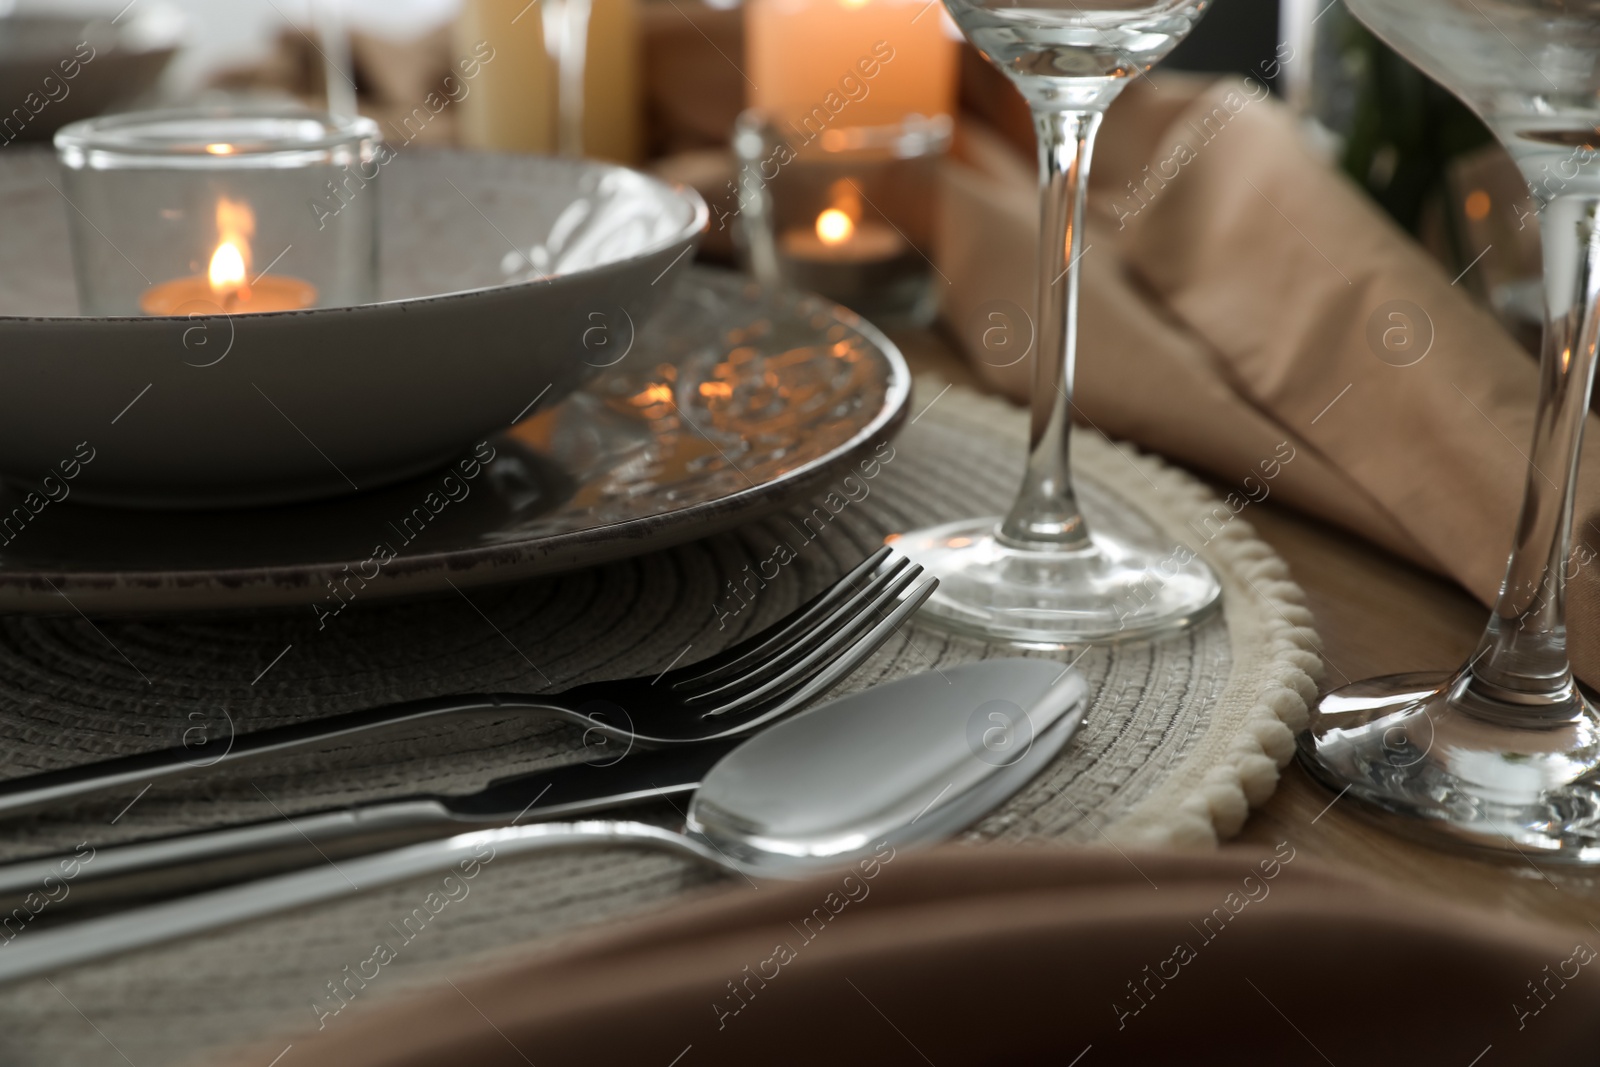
[[1054, 50], [1042, 576], [1528, 69], [1503, 755]]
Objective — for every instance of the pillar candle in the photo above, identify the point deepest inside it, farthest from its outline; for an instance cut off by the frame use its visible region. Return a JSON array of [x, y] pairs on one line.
[[861, 62], [613, 125], [513, 105]]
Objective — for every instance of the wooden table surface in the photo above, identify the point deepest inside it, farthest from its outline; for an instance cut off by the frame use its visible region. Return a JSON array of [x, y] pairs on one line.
[[1375, 614]]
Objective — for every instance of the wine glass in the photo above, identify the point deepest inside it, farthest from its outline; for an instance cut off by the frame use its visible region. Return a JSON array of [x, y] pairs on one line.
[[1502, 754], [1039, 577]]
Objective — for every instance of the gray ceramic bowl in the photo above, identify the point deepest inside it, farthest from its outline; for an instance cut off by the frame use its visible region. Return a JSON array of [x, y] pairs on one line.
[[308, 404], [59, 68]]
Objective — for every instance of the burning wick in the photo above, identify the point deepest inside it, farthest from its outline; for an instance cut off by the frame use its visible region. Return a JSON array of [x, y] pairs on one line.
[[229, 273]]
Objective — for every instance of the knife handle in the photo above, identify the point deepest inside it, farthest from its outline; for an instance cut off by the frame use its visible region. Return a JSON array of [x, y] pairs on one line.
[[202, 859], [139, 770], [191, 861]]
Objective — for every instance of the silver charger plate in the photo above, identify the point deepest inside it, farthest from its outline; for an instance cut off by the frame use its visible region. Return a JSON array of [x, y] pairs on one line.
[[733, 402]]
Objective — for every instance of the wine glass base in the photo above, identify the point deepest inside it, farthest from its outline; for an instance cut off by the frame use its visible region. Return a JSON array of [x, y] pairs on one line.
[[1430, 759], [1116, 590]]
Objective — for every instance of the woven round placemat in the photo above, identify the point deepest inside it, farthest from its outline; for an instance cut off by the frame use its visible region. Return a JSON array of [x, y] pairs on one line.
[[1185, 734]]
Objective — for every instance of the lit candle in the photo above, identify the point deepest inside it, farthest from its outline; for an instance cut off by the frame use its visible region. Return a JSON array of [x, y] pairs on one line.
[[838, 238], [227, 285], [821, 63]]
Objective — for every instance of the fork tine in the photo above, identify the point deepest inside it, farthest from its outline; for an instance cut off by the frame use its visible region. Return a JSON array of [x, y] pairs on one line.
[[847, 662], [761, 645], [843, 616], [801, 670]]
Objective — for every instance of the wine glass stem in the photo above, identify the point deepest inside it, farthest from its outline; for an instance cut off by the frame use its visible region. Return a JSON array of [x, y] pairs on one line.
[[1046, 511], [1522, 658], [566, 38]]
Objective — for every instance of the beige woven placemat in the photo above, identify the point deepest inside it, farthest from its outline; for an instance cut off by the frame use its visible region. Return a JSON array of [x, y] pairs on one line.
[[1184, 735]]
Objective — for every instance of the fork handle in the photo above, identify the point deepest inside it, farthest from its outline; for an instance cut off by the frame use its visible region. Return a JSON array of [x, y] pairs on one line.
[[35, 791]]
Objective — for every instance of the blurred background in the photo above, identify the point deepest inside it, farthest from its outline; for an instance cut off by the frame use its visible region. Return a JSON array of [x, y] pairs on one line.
[[660, 85]]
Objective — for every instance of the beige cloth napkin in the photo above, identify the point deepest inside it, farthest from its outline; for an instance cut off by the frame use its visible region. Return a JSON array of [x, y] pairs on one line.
[[997, 956], [1228, 302]]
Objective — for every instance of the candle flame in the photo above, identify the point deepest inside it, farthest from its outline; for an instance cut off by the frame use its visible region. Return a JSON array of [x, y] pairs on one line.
[[834, 226], [220, 149], [227, 268], [230, 263]]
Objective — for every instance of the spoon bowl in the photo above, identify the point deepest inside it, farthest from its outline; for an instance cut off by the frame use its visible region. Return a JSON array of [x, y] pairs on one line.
[[905, 763]]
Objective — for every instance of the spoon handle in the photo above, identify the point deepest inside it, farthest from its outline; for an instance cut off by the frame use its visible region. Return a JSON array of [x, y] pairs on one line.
[[462, 857], [204, 859]]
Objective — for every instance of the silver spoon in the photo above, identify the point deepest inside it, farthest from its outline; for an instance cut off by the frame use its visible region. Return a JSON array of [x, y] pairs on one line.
[[900, 764]]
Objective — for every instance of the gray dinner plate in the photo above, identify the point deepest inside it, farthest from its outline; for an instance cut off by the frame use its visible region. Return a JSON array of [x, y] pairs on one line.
[[735, 401]]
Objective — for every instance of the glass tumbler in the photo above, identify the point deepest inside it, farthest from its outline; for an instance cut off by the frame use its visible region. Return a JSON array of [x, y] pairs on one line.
[[844, 211], [232, 210]]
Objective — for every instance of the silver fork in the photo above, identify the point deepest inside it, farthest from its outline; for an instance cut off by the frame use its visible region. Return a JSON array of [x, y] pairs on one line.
[[728, 695]]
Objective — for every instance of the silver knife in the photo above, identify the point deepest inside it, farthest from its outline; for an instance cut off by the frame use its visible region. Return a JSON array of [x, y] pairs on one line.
[[183, 862]]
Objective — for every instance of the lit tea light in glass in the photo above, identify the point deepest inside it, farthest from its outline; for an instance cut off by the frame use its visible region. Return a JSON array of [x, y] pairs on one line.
[[227, 286], [836, 237]]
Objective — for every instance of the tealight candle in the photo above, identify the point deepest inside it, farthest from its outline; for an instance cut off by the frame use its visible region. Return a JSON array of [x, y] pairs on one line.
[[837, 238], [849, 216], [227, 285]]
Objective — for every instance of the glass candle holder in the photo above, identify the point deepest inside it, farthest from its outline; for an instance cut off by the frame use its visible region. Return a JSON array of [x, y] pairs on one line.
[[844, 211], [231, 211]]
